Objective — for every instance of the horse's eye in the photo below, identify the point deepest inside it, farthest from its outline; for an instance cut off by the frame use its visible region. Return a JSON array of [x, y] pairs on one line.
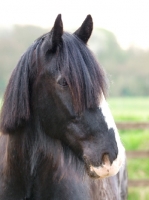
[[63, 82]]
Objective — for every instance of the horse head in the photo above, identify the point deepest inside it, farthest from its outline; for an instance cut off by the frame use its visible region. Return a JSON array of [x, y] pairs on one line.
[[59, 85]]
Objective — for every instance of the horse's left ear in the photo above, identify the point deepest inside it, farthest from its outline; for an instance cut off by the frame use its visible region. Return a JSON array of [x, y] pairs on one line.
[[84, 32], [57, 32]]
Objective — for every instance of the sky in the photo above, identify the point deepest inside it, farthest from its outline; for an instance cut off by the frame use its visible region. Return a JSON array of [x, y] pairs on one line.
[[127, 19]]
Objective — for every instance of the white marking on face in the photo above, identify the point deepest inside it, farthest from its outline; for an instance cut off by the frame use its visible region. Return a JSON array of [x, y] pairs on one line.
[[106, 169]]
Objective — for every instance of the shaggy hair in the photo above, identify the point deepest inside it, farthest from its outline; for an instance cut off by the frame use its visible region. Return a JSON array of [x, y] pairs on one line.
[[85, 78]]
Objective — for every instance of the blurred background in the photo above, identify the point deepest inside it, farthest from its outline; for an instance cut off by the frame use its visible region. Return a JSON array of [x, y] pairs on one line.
[[120, 41]]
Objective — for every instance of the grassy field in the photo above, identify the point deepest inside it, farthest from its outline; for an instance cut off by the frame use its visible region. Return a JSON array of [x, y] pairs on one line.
[[134, 109], [130, 109]]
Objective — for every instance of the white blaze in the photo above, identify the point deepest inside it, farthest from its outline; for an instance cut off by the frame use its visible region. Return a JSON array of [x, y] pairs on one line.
[[107, 169]]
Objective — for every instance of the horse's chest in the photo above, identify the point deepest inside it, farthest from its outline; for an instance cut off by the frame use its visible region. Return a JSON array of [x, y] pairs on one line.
[[61, 185], [69, 185]]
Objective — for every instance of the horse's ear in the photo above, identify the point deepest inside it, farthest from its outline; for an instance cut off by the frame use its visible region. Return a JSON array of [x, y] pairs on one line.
[[84, 32], [57, 32], [16, 109]]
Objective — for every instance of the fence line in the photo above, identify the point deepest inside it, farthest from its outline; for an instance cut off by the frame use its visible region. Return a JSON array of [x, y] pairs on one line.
[[138, 183], [135, 154], [132, 125]]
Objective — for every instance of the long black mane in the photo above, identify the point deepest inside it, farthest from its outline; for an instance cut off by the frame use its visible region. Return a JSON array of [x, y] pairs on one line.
[[74, 61]]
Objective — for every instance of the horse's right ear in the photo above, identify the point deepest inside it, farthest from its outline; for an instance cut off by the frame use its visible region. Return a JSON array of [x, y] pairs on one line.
[[16, 109], [57, 32]]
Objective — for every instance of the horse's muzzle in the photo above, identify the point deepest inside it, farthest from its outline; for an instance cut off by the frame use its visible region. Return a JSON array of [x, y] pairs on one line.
[[107, 169]]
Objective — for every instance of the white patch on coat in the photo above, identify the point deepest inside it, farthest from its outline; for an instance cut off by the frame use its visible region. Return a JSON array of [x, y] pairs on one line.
[[107, 169]]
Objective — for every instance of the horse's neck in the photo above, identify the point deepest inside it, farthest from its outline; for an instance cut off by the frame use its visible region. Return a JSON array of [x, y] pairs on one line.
[[24, 165]]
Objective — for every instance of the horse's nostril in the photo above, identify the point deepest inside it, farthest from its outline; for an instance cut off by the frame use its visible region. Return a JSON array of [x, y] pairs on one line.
[[106, 159]]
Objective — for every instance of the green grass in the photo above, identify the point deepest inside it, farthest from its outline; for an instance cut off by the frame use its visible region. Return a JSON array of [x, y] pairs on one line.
[[138, 168], [135, 139], [134, 109], [130, 109], [138, 193]]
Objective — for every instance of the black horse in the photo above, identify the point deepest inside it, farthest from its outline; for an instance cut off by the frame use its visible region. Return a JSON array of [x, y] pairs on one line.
[[58, 139]]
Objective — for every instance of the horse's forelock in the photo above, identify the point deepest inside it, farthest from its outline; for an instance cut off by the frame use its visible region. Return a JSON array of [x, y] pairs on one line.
[[85, 77]]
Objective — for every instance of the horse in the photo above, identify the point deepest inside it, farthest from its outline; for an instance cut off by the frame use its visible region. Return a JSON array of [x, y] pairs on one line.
[[58, 137]]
